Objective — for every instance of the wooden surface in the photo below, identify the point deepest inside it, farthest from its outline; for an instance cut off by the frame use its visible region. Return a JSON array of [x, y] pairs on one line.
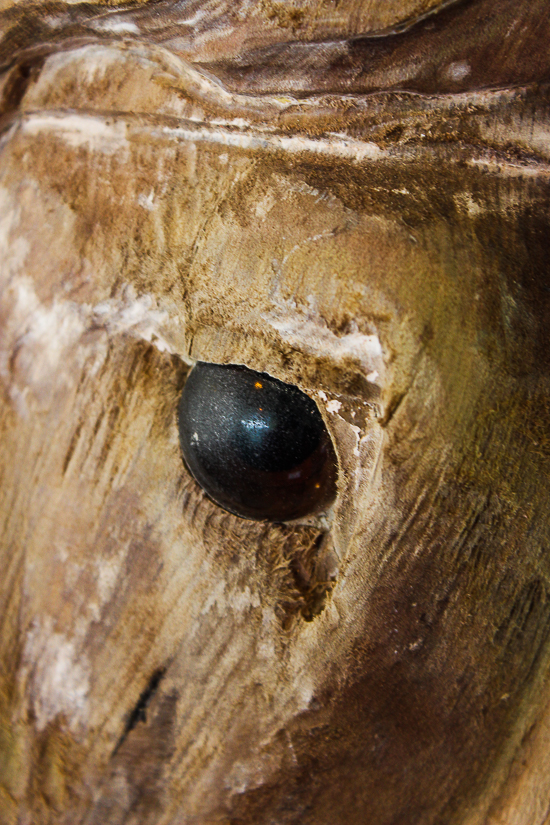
[[369, 222]]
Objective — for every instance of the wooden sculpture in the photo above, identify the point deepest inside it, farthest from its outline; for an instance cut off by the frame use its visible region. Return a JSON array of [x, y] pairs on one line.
[[352, 197]]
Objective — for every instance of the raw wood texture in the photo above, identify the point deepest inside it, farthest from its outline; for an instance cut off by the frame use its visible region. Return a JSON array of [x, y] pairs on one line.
[[351, 197]]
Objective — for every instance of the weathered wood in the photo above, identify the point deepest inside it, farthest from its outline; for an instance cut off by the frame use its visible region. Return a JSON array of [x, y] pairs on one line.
[[366, 217]]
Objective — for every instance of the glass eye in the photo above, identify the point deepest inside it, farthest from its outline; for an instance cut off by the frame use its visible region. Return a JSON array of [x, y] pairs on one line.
[[258, 447]]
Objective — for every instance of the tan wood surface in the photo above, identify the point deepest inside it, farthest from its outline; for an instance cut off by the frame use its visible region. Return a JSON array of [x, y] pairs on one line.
[[353, 197]]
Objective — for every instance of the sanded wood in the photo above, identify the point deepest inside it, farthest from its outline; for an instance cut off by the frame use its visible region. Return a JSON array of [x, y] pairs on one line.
[[355, 200]]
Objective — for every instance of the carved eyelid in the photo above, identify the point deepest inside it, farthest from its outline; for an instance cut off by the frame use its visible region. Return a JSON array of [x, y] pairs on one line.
[[187, 104]]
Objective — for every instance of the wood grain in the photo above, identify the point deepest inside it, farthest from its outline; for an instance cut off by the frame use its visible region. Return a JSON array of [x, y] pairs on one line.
[[378, 237]]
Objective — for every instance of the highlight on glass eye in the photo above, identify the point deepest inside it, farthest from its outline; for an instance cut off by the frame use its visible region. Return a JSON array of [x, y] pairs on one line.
[[257, 446]]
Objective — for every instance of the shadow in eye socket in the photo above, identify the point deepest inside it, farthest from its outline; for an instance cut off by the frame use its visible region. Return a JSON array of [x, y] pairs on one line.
[[257, 446]]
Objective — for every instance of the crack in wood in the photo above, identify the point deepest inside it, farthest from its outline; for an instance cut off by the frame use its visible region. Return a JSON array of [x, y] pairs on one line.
[[139, 713]]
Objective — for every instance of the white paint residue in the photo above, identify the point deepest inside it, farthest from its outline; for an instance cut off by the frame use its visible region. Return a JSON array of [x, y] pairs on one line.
[[54, 329], [244, 776], [215, 597], [266, 649], [373, 376], [108, 571], [310, 334], [98, 134], [266, 645], [37, 337], [265, 205], [357, 432], [333, 146], [458, 70], [322, 395], [14, 250], [137, 315], [89, 64], [509, 168], [238, 600], [114, 25], [59, 676], [304, 693], [242, 600], [80, 130], [56, 22], [191, 21], [466, 202], [147, 201], [50, 330], [334, 406]]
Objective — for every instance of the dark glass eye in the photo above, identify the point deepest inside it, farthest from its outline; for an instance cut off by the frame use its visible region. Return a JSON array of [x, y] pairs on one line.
[[258, 447]]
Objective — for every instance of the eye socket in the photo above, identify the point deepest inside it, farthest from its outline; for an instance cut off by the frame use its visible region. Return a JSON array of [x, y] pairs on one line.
[[257, 446]]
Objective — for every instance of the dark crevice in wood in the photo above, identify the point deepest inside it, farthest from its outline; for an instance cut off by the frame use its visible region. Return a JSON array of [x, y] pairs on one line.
[[19, 80], [303, 585], [139, 713], [313, 588], [72, 446], [393, 406]]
